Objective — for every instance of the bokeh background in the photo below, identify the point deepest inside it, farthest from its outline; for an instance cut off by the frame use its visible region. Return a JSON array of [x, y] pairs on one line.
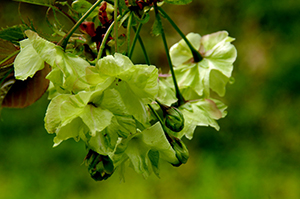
[[256, 153]]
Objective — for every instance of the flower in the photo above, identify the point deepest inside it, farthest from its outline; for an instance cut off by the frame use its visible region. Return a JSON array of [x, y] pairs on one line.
[[195, 79]]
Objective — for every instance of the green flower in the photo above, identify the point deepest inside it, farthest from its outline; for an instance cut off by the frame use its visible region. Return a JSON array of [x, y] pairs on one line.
[[212, 72], [144, 149], [201, 112], [108, 108]]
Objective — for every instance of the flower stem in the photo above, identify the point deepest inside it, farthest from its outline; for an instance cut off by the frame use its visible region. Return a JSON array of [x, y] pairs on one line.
[[137, 32], [64, 41], [103, 42], [136, 36], [128, 31], [197, 56], [142, 45], [162, 33], [156, 115], [116, 26]]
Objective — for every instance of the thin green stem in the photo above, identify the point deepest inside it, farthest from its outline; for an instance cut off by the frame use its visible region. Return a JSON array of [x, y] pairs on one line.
[[64, 41], [116, 26], [156, 115], [197, 56], [136, 36], [102, 46], [64, 13], [162, 33], [128, 31], [9, 57], [6, 75], [143, 47]]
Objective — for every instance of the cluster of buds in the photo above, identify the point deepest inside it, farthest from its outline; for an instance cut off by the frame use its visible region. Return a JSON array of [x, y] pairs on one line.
[[100, 167], [140, 4], [105, 16], [174, 122]]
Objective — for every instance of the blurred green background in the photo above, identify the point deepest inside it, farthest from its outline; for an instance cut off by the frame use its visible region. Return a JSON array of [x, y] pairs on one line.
[[256, 153]]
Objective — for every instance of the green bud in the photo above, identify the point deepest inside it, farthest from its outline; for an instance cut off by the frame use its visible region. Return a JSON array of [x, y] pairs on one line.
[[182, 153], [174, 119], [100, 166]]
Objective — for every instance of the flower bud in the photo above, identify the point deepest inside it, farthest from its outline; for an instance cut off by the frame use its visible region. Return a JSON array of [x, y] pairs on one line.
[[174, 119], [100, 166], [181, 151]]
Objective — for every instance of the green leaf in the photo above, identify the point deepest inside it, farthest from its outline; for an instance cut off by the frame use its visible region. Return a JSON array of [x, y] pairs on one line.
[[48, 3], [157, 27], [13, 34], [81, 6], [202, 112], [213, 72], [178, 2]]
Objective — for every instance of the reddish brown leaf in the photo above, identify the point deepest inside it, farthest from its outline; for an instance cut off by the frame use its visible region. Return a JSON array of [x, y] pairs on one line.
[[25, 93]]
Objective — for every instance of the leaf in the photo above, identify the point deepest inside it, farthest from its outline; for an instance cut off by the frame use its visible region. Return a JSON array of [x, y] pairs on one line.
[[25, 93], [157, 27], [178, 2], [8, 53], [5, 86], [6, 49], [81, 6], [13, 34], [48, 3]]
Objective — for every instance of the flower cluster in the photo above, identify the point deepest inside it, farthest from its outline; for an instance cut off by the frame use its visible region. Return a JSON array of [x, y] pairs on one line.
[[125, 112]]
